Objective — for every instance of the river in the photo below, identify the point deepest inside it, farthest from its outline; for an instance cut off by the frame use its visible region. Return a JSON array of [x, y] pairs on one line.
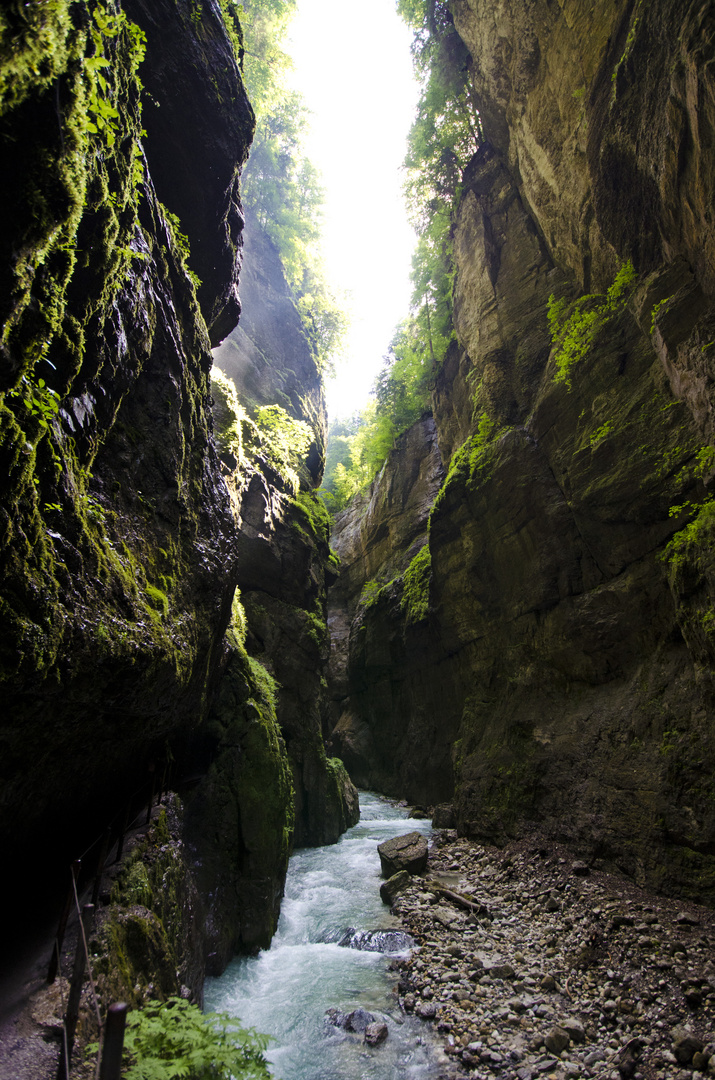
[[286, 990]]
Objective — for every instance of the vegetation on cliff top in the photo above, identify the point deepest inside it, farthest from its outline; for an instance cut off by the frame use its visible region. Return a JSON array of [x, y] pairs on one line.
[[279, 183], [443, 138]]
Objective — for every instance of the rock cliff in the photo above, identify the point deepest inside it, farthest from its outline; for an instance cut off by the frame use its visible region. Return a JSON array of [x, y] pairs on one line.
[[285, 562], [378, 641], [124, 538], [566, 651]]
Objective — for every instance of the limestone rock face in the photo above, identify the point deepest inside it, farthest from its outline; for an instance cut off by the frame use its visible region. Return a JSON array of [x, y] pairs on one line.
[[562, 672], [122, 542], [376, 540], [189, 155]]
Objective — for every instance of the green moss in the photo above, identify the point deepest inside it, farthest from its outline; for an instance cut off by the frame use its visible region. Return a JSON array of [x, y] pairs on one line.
[[265, 685], [314, 516], [471, 463], [158, 600], [574, 327], [415, 596], [132, 886]]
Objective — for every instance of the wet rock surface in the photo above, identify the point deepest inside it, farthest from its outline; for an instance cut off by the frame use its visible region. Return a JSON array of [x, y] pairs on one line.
[[567, 976], [384, 941]]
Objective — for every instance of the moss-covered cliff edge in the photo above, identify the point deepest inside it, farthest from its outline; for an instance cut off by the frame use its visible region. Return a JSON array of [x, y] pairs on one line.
[[566, 653]]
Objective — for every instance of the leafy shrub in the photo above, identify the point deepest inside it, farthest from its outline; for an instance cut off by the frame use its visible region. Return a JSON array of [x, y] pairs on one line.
[[284, 440], [171, 1039], [228, 416]]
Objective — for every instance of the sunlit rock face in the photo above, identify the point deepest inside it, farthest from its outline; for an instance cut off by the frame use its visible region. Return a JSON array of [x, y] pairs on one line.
[[565, 664], [285, 563], [268, 355]]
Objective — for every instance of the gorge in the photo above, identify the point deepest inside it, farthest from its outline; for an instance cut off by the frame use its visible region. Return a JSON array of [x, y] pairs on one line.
[[515, 626]]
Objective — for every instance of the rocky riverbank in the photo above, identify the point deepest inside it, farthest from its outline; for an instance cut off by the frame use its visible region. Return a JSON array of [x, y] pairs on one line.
[[539, 965]]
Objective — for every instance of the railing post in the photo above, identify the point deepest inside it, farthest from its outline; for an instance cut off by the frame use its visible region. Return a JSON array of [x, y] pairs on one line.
[[113, 1042], [75, 994], [57, 948]]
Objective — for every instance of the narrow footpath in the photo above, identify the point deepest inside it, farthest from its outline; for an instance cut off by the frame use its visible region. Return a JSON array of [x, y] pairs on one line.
[[557, 970]]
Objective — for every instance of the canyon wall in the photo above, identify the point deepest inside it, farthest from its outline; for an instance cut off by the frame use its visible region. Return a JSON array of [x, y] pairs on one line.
[[563, 650], [127, 543], [285, 562]]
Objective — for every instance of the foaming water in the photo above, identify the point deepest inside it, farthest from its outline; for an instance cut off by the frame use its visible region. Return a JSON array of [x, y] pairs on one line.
[[286, 990]]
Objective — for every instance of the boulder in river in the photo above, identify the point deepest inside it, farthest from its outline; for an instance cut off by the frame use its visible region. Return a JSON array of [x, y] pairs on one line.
[[375, 1033], [394, 885], [407, 852], [358, 1020], [385, 941]]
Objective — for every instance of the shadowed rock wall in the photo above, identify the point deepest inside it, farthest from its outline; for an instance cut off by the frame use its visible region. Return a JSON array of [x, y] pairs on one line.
[[570, 654], [123, 638]]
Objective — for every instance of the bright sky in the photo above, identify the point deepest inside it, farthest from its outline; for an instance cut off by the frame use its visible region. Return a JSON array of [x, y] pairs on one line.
[[353, 67]]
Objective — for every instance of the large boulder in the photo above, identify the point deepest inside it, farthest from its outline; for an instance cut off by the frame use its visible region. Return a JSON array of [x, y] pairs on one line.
[[391, 889], [408, 852]]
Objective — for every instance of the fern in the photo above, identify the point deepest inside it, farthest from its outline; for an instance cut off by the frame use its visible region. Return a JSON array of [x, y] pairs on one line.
[[173, 1039]]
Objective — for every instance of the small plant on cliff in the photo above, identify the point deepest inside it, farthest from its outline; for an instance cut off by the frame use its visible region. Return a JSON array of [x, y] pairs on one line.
[[173, 1038], [107, 25], [574, 333], [284, 440]]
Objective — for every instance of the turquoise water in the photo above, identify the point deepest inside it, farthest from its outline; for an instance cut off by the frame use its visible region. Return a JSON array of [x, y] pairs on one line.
[[286, 990]]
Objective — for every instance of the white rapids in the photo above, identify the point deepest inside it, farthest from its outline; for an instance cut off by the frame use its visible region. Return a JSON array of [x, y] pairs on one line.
[[286, 990]]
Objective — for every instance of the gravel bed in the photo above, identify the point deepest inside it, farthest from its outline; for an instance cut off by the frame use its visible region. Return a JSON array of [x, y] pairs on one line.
[[557, 970]]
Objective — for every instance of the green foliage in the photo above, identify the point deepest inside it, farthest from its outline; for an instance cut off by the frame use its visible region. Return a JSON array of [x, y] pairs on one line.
[[172, 1039], [105, 26], [279, 183], [601, 433], [38, 398], [229, 415], [657, 308], [445, 135], [695, 537], [181, 245], [415, 598], [265, 683], [358, 447], [284, 441], [574, 328]]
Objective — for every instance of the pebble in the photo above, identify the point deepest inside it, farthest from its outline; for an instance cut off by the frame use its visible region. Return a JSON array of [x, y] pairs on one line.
[[556, 973]]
